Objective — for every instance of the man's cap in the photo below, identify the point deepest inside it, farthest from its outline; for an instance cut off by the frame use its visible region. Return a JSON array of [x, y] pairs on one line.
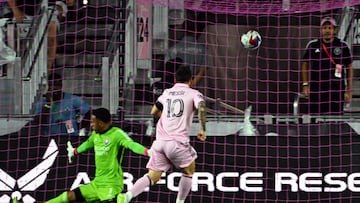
[[102, 114], [328, 20]]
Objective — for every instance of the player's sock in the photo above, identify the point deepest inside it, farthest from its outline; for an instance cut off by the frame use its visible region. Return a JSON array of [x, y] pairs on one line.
[[63, 198], [184, 188], [140, 185], [127, 197], [124, 198]]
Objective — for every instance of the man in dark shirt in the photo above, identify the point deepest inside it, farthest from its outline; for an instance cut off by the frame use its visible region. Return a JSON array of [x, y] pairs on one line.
[[327, 64]]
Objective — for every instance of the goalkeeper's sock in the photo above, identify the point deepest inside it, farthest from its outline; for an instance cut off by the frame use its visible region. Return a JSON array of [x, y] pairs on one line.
[[63, 198], [184, 188], [140, 185]]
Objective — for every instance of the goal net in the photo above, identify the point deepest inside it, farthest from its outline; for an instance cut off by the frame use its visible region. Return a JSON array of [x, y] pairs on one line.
[[265, 143]]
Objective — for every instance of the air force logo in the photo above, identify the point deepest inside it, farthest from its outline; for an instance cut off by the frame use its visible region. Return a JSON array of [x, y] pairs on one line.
[[31, 180]]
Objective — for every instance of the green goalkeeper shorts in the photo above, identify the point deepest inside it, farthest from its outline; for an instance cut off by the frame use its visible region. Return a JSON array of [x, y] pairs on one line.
[[93, 193]]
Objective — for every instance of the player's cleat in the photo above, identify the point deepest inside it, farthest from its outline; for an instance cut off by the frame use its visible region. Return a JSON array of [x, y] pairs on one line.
[[122, 198]]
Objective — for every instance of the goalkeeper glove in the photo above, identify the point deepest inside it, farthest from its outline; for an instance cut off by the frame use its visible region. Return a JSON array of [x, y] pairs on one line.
[[148, 152], [71, 151]]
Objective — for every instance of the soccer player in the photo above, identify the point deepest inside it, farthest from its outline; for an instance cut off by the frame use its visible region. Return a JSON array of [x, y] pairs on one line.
[[175, 107], [108, 142]]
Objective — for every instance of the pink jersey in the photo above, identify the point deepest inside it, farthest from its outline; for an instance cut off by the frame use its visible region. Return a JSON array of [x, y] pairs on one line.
[[179, 104]]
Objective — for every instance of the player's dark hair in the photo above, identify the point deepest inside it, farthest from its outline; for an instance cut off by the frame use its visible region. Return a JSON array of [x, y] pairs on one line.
[[102, 114], [183, 74]]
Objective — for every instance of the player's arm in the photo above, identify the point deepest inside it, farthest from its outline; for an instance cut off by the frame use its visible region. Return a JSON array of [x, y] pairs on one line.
[[85, 146], [156, 110], [135, 147], [202, 120], [138, 148]]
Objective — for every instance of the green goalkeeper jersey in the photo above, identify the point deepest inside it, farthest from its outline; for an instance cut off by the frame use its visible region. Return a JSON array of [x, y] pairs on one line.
[[109, 148]]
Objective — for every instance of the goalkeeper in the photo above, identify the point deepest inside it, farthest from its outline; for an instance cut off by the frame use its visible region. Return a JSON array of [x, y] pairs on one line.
[[108, 142]]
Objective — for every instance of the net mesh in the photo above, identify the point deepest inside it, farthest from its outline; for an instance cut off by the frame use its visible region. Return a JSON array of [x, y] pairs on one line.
[[296, 156]]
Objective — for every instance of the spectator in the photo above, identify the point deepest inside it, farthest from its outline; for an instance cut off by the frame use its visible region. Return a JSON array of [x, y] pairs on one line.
[[191, 52], [7, 55], [22, 9], [61, 112], [327, 64], [109, 143]]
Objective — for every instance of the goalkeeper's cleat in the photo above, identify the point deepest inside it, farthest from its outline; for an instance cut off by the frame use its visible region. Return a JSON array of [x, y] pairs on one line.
[[123, 198]]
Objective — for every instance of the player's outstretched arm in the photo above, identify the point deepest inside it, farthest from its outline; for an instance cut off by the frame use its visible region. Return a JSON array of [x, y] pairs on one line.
[[128, 143], [156, 110], [85, 146], [138, 148], [202, 119]]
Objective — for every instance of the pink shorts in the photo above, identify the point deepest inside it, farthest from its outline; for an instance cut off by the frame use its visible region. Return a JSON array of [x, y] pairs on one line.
[[170, 153]]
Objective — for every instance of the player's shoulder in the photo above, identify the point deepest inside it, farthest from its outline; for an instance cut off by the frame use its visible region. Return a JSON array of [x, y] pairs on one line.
[[116, 133], [194, 91], [200, 95], [115, 129], [122, 135]]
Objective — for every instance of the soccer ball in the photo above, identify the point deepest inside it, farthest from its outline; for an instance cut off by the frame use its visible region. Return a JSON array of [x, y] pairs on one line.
[[251, 39]]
